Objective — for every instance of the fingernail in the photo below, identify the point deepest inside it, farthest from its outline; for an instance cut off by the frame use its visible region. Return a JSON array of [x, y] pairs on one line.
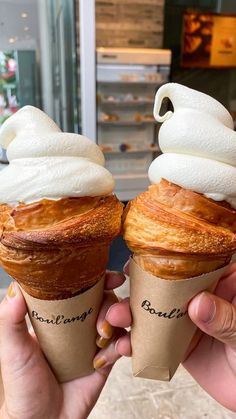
[[99, 363], [126, 268], [11, 292], [116, 345], [106, 329], [206, 308], [102, 342], [109, 310], [116, 273]]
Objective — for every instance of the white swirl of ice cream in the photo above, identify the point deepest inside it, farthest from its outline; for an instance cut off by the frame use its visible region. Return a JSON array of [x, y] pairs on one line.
[[48, 163], [198, 142]]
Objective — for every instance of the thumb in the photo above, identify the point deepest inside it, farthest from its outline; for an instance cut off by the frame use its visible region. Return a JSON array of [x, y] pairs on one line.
[[27, 379], [15, 341], [214, 316]]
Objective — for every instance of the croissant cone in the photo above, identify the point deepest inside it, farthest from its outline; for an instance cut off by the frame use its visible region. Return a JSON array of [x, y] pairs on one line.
[[57, 249], [177, 233]]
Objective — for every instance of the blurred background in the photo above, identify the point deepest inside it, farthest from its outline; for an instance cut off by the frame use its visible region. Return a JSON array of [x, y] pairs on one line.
[[94, 66]]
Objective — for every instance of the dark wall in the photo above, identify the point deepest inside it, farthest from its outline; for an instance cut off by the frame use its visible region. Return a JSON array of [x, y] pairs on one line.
[[218, 83], [227, 6]]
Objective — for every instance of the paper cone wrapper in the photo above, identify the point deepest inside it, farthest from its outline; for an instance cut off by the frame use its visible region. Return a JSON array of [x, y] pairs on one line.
[[66, 331], [162, 330]]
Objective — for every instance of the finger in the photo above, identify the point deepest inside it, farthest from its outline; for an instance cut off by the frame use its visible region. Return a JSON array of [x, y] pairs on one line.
[[194, 342], [229, 270], [226, 287], [105, 330], [126, 268], [91, 385], [21, 360], [114, 279], [119, 314], [113, 352], [32, 333], [123, 345], [106, 357], [17, 347], [13, 328], [214, 316]]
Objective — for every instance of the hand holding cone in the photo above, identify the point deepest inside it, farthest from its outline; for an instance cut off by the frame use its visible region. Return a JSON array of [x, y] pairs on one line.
[[182, 230], [58, 217]]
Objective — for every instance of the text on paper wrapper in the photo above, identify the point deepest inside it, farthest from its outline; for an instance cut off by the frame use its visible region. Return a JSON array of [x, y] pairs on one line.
[[60, 318], [174, 313]]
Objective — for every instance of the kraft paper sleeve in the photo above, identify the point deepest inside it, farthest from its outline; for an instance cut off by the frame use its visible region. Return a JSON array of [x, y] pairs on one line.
[[66, 330], [161, 329]]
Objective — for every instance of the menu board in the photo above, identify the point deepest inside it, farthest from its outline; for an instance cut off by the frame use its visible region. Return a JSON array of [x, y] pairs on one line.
[[208, 40]]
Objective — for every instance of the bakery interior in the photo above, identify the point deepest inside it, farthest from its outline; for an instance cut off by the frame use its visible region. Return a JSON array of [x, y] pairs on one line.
[[94, 67]]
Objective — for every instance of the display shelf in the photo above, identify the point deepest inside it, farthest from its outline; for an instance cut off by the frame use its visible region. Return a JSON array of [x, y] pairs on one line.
[[134, 150], [109, 82], [131, 176], [127, 81], [126, 122], [129, 185], [125, 103]]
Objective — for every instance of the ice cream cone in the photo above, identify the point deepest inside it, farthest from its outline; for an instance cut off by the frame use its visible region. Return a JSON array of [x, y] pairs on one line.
[[57, 274], [175, 233], [181, 243], [58, 252], [174, 267], [54, 257], [58, 217], [162, 330], [182, 230]]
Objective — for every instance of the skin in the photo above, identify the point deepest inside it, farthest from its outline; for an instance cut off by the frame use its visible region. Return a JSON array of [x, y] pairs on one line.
[[31, 390], [210, 359]]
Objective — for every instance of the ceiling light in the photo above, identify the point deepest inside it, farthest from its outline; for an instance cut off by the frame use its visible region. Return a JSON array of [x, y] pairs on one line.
[[26, 28], [24, 15], [12, 39]]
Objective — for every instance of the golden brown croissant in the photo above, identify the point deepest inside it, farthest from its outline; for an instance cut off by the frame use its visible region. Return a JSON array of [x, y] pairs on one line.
[[176, 233], [56, 249]]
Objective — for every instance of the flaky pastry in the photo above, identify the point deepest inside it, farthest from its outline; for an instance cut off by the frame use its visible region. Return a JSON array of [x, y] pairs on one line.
[[176, 233], [56, 249]]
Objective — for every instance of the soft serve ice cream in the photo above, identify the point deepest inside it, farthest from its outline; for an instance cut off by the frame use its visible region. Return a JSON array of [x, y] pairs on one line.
[[47, 163], [198, 142]]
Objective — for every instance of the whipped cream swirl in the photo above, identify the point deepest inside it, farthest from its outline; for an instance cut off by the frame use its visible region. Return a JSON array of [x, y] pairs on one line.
[[198, 142], [46, 163]]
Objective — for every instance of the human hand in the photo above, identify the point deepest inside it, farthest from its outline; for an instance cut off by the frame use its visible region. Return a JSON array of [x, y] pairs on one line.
[[211, 357], [30, 387]]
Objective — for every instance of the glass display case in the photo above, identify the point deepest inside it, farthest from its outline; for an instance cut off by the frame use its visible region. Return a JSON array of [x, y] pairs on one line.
[[127, 80], [8, 83], [18, 84]]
